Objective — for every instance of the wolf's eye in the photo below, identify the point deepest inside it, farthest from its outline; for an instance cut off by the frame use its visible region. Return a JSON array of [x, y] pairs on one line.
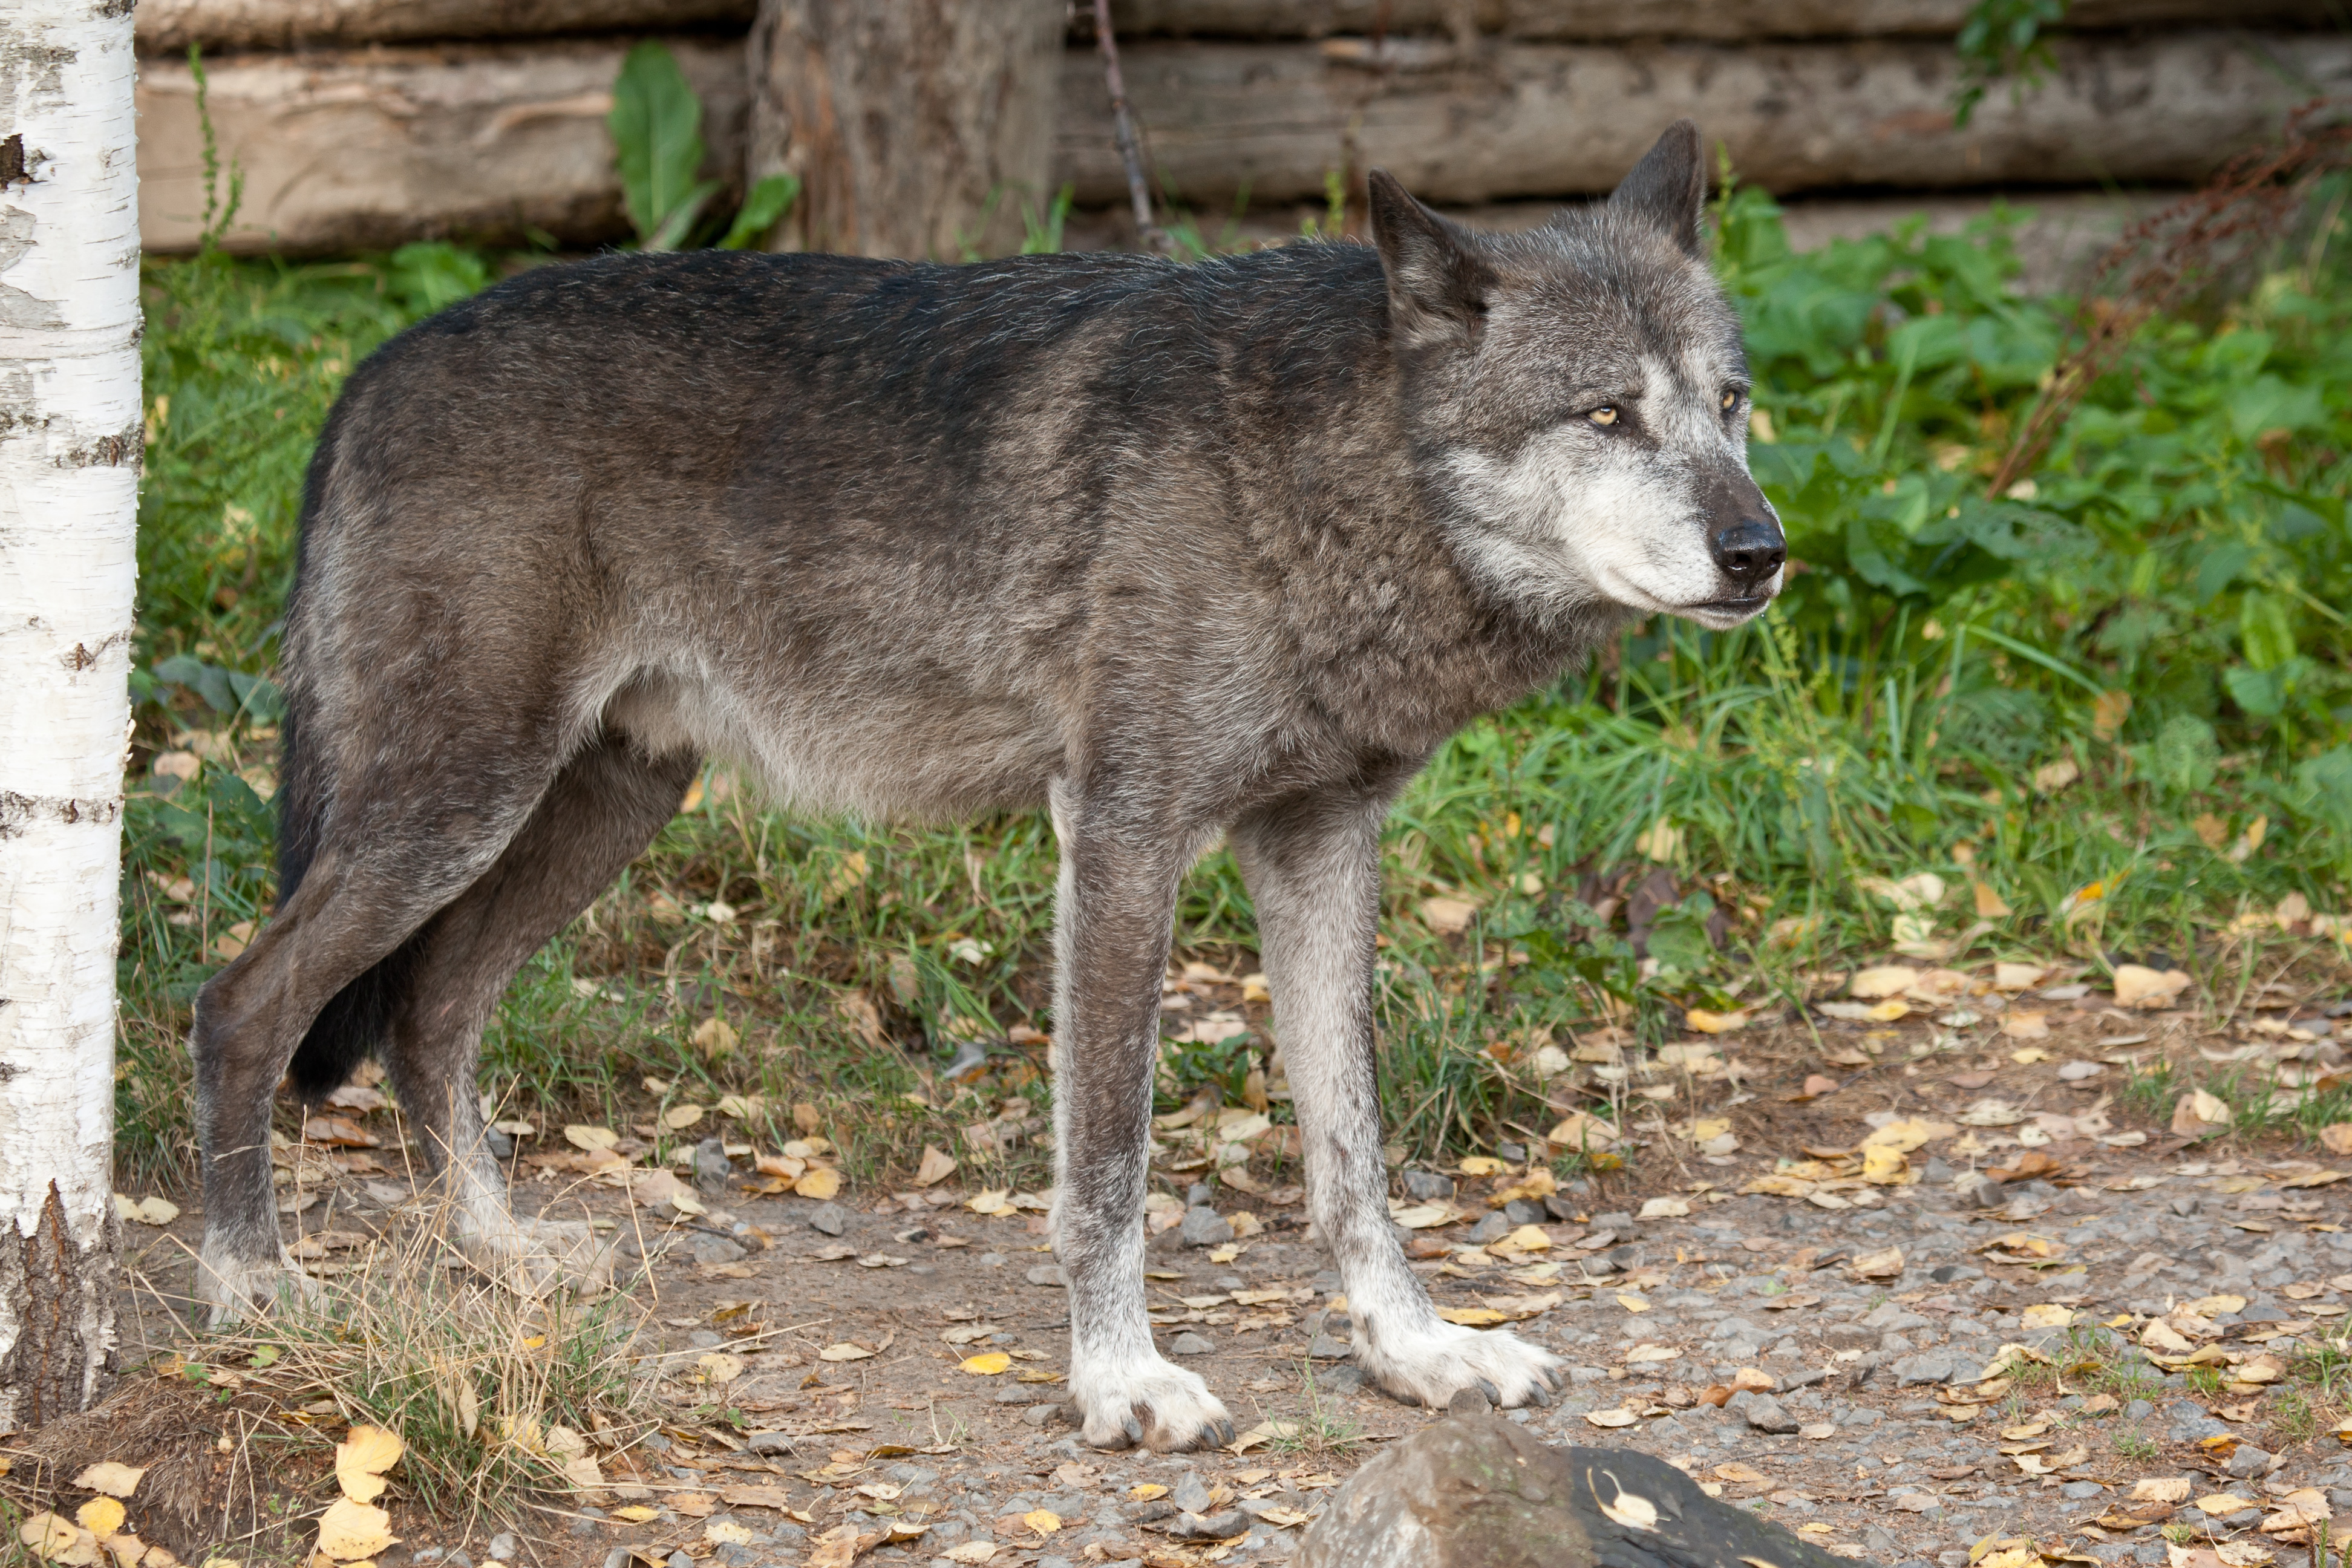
[[1730, 400], [1604, 414]]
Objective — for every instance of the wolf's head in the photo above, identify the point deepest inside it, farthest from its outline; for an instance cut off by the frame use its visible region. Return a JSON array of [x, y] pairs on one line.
[[1578, 399]]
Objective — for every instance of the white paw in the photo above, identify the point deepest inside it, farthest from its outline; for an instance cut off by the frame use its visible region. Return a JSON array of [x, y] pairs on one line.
[[238, 1291], [1430, 1368], [1161, 1407], [538, 1256]]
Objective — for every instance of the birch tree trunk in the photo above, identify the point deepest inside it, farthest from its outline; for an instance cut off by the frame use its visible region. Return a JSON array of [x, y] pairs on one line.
[[69, 456], [919, 128]]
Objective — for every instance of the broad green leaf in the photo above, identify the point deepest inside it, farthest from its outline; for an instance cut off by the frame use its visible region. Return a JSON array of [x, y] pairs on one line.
[[767, 204], [656, 126]]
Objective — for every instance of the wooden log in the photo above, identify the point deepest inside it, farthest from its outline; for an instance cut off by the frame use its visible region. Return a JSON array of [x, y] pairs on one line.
[[1551, 120], [1581, 21], [347, 150], [168, 27], [919, 128]]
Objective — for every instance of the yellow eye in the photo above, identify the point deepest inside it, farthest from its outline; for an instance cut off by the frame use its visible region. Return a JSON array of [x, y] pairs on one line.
[[1604, 414], [1730, 400]]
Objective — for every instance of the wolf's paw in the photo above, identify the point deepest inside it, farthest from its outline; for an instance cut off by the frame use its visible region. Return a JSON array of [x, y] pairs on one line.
[[1163, 1407], [539, 1256], [238, 1289], [1430, 1368]]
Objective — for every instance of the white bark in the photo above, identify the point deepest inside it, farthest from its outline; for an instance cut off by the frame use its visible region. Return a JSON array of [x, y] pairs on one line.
[[70, 448]]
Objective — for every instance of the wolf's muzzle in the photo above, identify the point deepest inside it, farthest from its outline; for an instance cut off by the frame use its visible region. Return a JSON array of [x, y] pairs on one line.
[[1749, 553]]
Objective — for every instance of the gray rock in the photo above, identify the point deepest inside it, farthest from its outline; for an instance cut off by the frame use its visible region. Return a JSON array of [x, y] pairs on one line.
[[1474, 1490], [1764, 1414], [1344, 1378], [1012, 1393], [711, 1166], [1049, 1275], [1048, 1415], [1211, 1527], [1204, 1226], [619, 1557], [769, 1443], [1190, 1495], [2187, 1423], [2079, 1491], [1523, 1211], [2138, 1410], [1927, 1366], [829, 1218], [1427, 1186], [502, 1146], [1199, 1193], [2248, 1460], [1327, 1348], [706, 1339], [1560, 1208], [711, 1250], [503, 1546], [1494, 1228], [1189, 1343], [679, 1560]]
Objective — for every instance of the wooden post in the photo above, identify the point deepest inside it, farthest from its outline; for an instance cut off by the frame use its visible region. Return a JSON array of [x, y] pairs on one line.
[[920, 127]]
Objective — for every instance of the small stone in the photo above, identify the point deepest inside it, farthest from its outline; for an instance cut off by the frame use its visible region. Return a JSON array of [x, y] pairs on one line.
[[769, 1443], [1764, 1414], [1012, 1394], [499, 1144], [1204, 1226], [706, 1339], [1198, 1194], [1045, 1414], [679, 1560], [2138, 1410], [1189, 1343], [1327, 1348], [1560, 1208], [1494, 1228], [1190, 1495], [1049, 1275], [1928, 1367], [712, 1250], [711, 1166], [1427, 1186], [1209, 1527], [619, 1557], [2078, 1491], [1523, 1211], [2248, 1460], [503, 1546], [2187, 1423], [1344, 1378], [828, 1218]]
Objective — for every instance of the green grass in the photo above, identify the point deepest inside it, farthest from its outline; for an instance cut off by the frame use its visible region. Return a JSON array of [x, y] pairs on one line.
[[2158, 614]]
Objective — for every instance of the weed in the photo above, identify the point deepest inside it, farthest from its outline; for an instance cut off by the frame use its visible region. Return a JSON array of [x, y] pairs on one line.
[[1323, 1429], [2133, 1443], [2295, 1415], [2204, 1381]]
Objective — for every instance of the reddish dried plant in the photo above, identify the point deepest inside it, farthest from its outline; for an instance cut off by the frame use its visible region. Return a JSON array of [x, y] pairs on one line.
[[2161, 260]]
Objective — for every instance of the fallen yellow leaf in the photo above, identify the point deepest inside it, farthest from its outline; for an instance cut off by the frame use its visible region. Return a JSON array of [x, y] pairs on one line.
[[101, 1516], [111, 1479], [351, 1530], [821, 1183], [361, 1460], [988, 1364]]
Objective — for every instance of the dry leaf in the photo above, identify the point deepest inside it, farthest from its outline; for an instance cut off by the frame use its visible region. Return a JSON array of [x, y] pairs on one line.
[[361, 1460], [1447, 916], [2197, 1114], [1883, 1264], [1626, 1508], [2026, 1026], [971, 1552], [1888, 980], [937, 1167], [2161, 1488], [110, 1477], [1666, 1208], [101, 1516], [2136, 987], [349, 1531], [678, 1117], [1714, 1023], [846, 1350], [821, 1183], [592, 1139], [987, 1365], [1610, 1418], [58, 1540], [1989, 904]]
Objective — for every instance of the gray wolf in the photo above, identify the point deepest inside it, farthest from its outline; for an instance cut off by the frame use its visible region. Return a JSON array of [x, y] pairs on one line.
[[1175, 551]]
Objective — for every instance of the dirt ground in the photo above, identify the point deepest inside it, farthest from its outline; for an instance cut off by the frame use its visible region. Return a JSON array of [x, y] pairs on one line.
[[853, 1384]]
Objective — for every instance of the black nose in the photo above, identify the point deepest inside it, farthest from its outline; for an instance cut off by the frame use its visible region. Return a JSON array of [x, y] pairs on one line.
[[1749, 552]]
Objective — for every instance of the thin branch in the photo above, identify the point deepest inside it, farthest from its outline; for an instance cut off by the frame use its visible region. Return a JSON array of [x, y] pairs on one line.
[[1148, 233]]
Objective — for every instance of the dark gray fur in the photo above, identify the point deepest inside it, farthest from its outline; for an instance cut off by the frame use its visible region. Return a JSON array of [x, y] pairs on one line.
[[1180, 551]]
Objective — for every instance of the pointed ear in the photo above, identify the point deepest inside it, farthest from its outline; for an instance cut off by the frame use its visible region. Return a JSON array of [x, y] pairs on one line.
[[1438, 282], [1668, 187]]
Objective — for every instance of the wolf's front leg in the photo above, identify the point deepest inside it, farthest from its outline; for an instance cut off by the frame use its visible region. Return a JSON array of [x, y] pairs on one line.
[[1313, 869], [1114, 917]]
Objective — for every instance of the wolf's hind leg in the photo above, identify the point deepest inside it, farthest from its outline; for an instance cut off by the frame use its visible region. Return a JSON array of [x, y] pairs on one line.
[[1313, 869], [1113, 923], [602, 809]]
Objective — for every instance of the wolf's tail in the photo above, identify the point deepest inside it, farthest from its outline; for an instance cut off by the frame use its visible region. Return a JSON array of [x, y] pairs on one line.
[[356, 1020]]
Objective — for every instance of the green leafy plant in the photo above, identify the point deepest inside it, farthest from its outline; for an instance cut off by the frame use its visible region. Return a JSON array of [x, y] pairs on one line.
[[2003, 40], [656, 127]]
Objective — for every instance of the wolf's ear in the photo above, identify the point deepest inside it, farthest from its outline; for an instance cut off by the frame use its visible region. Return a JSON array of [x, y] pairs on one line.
[[1438, 282], [1668, 187]]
